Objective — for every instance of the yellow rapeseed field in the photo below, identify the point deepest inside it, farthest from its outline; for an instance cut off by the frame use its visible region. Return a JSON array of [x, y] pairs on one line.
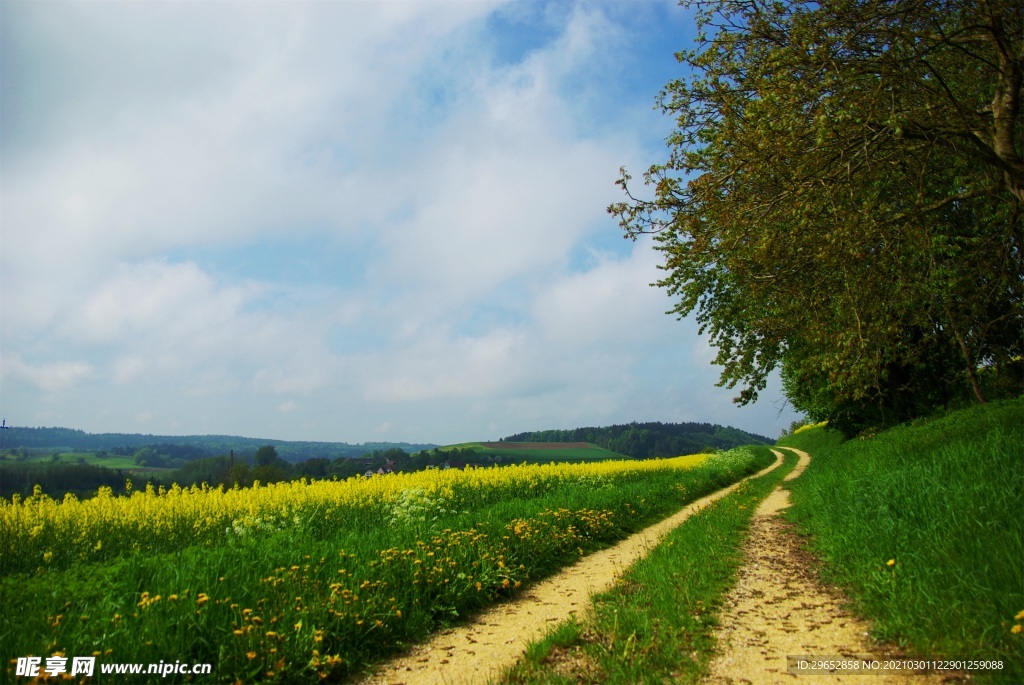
[[40, 531]]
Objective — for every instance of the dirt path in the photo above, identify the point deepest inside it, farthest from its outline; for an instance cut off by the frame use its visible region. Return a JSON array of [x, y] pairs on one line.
[[778, 609], [496, 638]]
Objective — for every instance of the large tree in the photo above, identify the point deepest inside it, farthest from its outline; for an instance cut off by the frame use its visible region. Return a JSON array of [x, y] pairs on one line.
[[843, 197]]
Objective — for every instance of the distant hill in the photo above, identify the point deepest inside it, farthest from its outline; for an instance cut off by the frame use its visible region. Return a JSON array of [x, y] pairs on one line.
[[126, 443], [646, 440]]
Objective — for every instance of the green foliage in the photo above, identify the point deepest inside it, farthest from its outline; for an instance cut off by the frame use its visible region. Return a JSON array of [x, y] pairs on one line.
[[942, 499], [266, 456], [646, 440], [843, 198]]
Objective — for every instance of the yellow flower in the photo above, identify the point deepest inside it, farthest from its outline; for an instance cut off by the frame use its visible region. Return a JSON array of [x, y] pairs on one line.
[[891, 562], [1017, 628], [202, 599], [1019, 616]]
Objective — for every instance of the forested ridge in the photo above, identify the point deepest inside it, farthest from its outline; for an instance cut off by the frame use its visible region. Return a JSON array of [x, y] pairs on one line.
[[196, 445], [647, 440]]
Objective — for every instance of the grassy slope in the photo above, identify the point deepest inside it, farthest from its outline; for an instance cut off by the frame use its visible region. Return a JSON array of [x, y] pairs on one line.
[[943, 499]]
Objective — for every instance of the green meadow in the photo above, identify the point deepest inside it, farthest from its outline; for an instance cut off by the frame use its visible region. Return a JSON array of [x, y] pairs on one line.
[[943, 501], [536, 452], [921, 525]]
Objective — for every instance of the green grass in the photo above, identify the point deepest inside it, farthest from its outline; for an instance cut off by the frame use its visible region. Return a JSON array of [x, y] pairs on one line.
[[656, 625], [288, 606], [538, 456], [111, 461], [943, 499]]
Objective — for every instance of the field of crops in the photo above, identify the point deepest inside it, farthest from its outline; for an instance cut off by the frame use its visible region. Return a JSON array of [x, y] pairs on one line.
[[538, 452], [300, 580]]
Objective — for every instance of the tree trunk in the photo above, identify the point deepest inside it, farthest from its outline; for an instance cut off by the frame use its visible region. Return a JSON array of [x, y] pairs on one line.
[[1006, 109], [972, 370]]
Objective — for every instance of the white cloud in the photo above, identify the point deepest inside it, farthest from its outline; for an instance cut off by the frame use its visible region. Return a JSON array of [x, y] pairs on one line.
[[48, 377], [173, 322], [612, 302], [161, 154], [157, 299], [448, 191]]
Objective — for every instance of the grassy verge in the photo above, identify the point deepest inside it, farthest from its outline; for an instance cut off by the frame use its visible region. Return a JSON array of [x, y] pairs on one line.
[[656, 626], [924, 525], [322, 601]]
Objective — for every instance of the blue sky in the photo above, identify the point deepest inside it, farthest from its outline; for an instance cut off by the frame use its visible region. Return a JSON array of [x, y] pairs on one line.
[[346, 221]]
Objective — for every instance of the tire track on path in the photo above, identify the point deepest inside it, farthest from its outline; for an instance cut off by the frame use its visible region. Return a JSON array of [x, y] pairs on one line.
[[495, 638], [778, 608]]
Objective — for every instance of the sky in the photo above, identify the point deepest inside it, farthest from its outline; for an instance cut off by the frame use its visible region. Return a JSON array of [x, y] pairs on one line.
[[340, 221]]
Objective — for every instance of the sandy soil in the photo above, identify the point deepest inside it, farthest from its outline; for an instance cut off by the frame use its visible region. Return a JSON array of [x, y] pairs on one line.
[[496, 638], [779, 608]]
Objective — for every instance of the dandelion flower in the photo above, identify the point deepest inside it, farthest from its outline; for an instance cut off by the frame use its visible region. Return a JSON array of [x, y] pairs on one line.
[[1019, 616], [891, 562], [1017, 628]]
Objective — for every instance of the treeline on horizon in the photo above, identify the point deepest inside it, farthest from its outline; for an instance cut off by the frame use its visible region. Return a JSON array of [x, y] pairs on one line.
[[649, 440], [127, 444]]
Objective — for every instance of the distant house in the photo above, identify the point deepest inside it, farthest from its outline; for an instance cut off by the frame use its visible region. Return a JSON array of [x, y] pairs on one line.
[[454, 464], [369, 473]]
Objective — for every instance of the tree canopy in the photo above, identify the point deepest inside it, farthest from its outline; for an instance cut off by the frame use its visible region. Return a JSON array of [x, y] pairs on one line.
[[647, 440], [842, 199]]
